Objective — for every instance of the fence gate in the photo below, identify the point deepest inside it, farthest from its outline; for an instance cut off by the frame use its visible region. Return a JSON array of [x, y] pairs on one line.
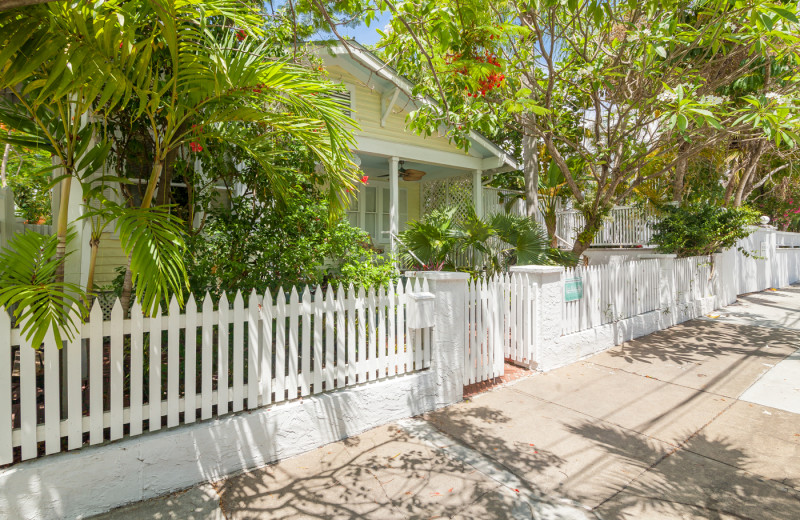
[[498, 326]]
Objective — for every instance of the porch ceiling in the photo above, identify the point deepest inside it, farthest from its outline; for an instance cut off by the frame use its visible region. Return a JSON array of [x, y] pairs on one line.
[[378, 167]]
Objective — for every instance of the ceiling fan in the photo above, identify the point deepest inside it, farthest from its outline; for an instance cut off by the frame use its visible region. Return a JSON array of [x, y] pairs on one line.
[[409, 174]]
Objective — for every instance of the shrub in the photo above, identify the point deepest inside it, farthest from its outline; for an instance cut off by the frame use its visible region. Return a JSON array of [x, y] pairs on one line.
[[702, 229], [260, 246]]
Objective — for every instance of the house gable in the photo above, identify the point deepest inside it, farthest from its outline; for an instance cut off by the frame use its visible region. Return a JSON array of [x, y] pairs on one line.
[[371, 96]]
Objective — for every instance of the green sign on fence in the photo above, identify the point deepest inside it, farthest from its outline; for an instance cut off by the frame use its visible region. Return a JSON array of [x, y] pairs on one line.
[[573, 289]]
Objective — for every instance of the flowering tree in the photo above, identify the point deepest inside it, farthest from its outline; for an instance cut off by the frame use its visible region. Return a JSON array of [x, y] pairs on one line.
[[619, 93]]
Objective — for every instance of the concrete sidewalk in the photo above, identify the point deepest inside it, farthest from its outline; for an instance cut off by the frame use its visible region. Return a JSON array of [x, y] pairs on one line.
[[655, 428]]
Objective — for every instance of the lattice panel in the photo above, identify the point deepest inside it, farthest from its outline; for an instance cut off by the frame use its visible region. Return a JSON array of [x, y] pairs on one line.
[[446, 193]]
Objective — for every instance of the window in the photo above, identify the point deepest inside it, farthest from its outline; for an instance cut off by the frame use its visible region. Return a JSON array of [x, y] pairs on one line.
[[371, 211], [344, 98]]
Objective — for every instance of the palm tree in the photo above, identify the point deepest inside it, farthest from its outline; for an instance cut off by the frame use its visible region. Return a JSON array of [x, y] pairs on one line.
[[186, 71]]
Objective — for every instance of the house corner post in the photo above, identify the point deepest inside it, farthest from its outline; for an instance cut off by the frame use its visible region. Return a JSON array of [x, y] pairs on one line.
[[477, 192], [449, 332], [544, 317], [394, 204], [666, 288]]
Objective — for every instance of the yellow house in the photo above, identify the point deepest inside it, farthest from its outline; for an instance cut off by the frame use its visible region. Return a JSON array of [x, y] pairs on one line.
[[409, 175]]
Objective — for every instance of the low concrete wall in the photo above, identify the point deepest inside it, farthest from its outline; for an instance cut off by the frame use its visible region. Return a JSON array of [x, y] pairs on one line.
[[570, 348], [95, 479], [615, 256]]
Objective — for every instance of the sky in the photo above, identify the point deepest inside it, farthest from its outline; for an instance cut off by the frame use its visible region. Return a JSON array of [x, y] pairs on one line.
[[362, 34]]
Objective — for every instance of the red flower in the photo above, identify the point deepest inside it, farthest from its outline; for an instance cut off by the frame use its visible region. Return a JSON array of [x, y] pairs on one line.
[[120, 45], [365, 178], [241, 34], [195, 147]]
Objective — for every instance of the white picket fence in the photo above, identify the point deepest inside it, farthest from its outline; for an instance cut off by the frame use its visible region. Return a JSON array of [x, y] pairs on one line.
[[624, 226], [611, 293], [692, 279], [146, 373], [499, 326]]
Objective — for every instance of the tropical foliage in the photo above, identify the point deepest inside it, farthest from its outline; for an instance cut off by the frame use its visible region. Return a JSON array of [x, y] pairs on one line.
[[189, 73], [40, 302], [702, 229], [259, 246], [478, 245], [632, 90], [27, 174]]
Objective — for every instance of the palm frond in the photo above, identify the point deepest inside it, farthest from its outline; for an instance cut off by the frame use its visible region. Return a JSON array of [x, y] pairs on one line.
[[28, 281], [152, 240]]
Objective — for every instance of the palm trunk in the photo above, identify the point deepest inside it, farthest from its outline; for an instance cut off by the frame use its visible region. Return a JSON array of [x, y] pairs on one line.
[[147, 200], [94, 244], [550, 222], [61, 225]]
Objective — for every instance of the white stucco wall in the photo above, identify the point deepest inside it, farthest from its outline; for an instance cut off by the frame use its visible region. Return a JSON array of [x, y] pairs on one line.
[[95, 479]]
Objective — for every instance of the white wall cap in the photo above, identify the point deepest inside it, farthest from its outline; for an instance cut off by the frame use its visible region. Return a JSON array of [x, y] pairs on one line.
[[537, 269], [438, 275]]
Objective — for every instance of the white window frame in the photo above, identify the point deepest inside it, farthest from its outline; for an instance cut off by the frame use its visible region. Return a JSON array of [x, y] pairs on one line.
[[381, 239]]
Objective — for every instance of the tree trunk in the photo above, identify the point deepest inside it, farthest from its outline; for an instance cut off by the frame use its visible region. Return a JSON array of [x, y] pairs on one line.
[[4, 167], [749, 172], [587, 234], [681, 168], [729, 187], [580, 246], [530, 171]]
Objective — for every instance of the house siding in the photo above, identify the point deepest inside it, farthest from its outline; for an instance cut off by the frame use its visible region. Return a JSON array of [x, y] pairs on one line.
[[368, 110], [109, 257]]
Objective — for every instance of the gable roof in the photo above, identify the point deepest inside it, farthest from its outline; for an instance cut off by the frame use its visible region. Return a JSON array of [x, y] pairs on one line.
[[365, 58]]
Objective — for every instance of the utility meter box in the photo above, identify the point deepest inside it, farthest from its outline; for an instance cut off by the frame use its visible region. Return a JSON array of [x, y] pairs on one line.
[[419, 310]]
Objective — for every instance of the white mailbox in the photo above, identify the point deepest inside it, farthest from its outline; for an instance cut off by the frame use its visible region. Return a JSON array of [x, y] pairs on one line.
[[419, 311]]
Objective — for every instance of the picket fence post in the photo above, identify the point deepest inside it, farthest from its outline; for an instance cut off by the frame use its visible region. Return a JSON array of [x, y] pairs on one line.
[[545, 308]]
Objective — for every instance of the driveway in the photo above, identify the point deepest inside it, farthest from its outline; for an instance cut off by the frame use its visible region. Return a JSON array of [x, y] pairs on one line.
[[698, 421]]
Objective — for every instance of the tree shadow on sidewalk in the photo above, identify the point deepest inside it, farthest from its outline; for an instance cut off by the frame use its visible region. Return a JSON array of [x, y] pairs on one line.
[[698, 340], [384, 473], [686, 484]]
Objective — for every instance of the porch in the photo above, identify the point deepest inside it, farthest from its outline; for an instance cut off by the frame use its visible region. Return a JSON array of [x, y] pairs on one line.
[[405, 187]]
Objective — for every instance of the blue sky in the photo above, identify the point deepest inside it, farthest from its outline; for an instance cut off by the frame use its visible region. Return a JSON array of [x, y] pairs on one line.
[[362, 34]]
